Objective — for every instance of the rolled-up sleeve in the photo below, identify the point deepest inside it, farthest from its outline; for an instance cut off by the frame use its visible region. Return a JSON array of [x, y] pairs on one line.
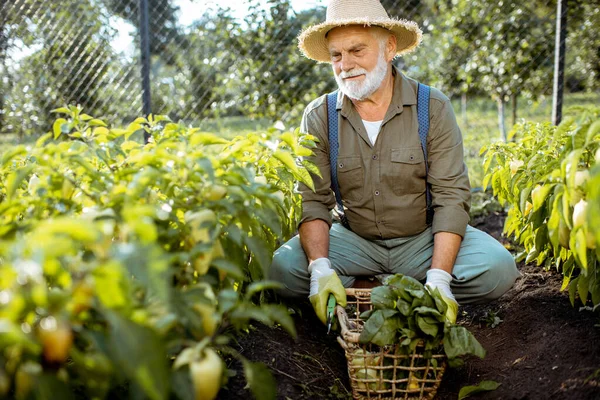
[[448, 175], [317, 204]]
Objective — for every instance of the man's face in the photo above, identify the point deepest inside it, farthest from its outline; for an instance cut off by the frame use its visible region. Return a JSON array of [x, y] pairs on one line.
[[359, 62]]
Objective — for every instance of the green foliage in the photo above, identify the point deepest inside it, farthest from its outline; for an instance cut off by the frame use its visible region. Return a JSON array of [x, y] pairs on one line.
[[544, 178], [122, 257], [485, 43], [582, 65], [408, 314], [483, 386]]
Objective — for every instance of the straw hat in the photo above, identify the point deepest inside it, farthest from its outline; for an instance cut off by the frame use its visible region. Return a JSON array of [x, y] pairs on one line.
[[313, 41]]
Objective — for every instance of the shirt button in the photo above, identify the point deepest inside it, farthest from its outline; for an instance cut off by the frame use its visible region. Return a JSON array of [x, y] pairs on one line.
[[412, 157], [377, 193], [341, 165], [375, 157]]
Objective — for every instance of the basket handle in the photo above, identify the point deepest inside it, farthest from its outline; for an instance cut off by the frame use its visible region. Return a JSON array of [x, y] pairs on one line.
[[347, 335]]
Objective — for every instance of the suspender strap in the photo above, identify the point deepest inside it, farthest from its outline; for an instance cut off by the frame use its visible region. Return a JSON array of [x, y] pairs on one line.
[[423, 117], [332, 120]]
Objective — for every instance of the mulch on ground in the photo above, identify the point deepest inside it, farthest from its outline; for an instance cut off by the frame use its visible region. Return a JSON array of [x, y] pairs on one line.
[[543, 348]]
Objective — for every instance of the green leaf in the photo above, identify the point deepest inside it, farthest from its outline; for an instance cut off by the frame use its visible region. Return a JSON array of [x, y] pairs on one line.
[[15, 179], [404, 307], [581, 248], [554, 222], [483, 386], [440, 304], [57, 127], [300, 173], [381, 328], [260, 251], [182, 384], [570, 164], [573, 290], [227, 300], [428, 325], [583, 288], [567, 272], [11, 154], [458, 341], [524, 198], [61, 110], [49, 387], [539, 195], [140, 354], [383, 297], [228, 267], [406, 287], [279, 314], [78, 229], [430, 312], [149, 266], [261, 381], [260, 286], [206, 139], [593, 130]]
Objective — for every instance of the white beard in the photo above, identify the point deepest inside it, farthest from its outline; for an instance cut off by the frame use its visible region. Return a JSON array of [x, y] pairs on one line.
[[360, 90]]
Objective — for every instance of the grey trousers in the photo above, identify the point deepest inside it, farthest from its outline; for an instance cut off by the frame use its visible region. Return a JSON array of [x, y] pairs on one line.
[[484, 269]]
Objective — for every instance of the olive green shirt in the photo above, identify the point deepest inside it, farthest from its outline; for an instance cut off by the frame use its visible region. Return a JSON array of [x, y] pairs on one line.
[[383, 185]]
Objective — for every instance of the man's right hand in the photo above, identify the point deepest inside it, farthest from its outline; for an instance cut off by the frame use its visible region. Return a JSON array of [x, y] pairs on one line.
[[323, 282]]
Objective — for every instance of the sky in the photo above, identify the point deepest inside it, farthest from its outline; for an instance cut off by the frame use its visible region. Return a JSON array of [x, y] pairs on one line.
[[192, 9]]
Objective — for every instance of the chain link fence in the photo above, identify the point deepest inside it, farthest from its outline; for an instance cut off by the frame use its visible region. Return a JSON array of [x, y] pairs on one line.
[[209, 63]]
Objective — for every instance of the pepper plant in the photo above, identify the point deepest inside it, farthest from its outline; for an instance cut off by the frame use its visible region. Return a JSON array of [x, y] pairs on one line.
[[543, 177], [126, 268]]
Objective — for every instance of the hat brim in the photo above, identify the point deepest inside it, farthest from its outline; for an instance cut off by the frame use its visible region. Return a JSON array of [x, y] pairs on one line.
[[313, 43]]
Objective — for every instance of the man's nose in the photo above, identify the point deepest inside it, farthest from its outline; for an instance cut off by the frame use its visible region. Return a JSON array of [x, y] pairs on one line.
[[347, 63]]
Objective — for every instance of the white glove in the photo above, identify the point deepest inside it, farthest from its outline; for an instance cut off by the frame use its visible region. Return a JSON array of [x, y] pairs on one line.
[[440, 279], [319, 268], [324, 282]]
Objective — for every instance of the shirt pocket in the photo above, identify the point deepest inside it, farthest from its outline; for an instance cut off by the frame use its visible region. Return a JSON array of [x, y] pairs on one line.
[[350, 178], [407, 172]]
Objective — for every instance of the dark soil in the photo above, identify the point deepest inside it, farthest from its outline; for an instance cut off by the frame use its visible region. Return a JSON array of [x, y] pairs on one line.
[[543, 348]]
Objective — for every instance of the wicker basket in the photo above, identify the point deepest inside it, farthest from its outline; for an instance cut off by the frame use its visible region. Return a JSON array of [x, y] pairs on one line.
[[384, 372]]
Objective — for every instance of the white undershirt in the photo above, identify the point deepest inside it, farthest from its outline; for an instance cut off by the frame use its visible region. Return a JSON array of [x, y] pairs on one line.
[[372, 129]]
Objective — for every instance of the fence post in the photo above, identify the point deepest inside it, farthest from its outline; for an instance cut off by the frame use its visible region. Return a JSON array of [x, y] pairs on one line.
[[145, 50], [559, 61]]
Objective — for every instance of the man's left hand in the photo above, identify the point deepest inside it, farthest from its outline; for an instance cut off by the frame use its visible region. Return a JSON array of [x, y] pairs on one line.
[[440, 279]]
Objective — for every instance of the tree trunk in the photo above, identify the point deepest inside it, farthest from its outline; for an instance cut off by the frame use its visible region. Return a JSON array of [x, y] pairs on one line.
[[514, 109], [501, 107], [463, 103]]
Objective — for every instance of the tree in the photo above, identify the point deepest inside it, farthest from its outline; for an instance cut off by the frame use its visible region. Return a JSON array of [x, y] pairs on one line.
[[163, 26], [272, 79], [190, 85], [500, 48], [583, 45], [70, 63]]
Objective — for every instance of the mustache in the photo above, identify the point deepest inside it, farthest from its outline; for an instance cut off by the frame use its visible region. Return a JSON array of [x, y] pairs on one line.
[[352, 73]]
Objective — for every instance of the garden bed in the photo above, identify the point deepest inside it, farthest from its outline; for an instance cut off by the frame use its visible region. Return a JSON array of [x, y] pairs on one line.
[[542, 349]]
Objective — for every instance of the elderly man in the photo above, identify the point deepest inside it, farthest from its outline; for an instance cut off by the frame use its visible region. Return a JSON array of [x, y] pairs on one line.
[[384, 176]]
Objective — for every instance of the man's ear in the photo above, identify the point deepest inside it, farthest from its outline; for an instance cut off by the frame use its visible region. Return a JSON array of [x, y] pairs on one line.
[[391, 47]]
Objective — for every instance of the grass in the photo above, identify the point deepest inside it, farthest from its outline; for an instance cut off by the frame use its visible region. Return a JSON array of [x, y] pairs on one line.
[[229, 127]]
